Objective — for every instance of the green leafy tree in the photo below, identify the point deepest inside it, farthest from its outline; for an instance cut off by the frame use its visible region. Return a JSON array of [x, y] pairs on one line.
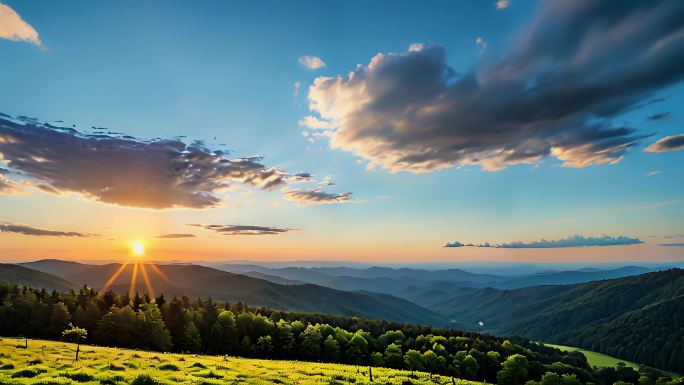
[[152, 333], [225, 333], [393, 356], [75, 334], [514, 370], [331, 350], [59, 320], [469, 367], [358, 349], [413, 360], [264, 346]]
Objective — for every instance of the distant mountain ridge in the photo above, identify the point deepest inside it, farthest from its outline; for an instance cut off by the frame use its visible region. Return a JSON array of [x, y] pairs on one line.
[[202, 281], [24, 276]]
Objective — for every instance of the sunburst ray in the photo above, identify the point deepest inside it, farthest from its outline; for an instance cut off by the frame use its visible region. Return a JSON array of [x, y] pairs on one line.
[[114, 277], [134, 278], [150, 291]]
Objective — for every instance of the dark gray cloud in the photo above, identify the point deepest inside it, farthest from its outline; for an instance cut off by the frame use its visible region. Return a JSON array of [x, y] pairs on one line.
[[659, 116], [120, 169], [667, 144], [315, 197], [244, 229], [571, 241], [672, 244], [175, 236], [28, 230], [556, 92]]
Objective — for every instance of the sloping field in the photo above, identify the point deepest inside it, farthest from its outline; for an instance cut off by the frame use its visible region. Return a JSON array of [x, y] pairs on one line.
[[52, 363]]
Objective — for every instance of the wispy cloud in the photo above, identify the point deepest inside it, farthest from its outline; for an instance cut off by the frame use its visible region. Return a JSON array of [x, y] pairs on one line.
[[667, 144], [411, 111], [653, 173], [28, 230], [315, 197], [571, 241], [13, 27], [244, 229], [659, 116], [175, 236], [503, 4], [123, 170], [311, 62], [672, 244]]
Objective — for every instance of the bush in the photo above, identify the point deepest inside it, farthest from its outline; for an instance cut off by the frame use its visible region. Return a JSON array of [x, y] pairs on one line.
[[79, 376], [25, 373], [114, 366], [198, 365], [170, 367], [7, 367], [144, 379]]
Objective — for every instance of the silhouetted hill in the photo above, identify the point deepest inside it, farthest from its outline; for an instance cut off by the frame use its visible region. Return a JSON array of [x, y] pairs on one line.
[[201, 281], [33, 278]]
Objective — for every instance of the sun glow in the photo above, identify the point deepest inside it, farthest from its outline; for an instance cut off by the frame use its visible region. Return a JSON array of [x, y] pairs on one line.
[[137, 248]]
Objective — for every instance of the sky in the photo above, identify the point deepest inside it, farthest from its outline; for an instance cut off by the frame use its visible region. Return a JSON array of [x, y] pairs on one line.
[[384, 131]]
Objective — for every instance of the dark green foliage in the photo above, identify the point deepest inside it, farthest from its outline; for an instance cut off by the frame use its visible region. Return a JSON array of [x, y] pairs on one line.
[[79, 376], [25, 373], [144, 379], [264, 333], [636, 318]]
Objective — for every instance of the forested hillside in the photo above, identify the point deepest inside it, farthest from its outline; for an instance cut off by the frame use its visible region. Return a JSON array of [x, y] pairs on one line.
[[197, 281], [636, 318], [206, 326]]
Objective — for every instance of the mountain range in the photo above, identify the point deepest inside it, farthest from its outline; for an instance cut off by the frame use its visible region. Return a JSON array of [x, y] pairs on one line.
[[628, 312]]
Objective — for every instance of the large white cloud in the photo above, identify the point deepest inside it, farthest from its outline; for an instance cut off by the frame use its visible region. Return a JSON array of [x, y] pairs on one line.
[[556, 93], [13, 27]]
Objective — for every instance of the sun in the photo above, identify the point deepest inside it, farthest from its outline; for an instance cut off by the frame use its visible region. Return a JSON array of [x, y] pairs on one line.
[[137, 248]]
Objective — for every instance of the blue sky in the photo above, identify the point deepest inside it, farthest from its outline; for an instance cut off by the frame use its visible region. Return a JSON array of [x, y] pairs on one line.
[[225, 73]]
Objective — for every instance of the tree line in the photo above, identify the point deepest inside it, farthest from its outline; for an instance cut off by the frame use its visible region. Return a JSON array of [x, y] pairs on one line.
[[209, 327]]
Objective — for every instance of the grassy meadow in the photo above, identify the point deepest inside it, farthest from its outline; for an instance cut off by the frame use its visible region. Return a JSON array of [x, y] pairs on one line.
[[52, 363], [598, 359]]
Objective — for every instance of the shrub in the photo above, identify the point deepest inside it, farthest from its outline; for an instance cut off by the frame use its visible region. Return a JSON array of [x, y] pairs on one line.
[[115, 366], [25, 373], [170, 367], [144, 379], [79, 376], [198, 365]]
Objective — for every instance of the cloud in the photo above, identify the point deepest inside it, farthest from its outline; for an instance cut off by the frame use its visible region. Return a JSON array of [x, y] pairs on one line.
[[8, 187], [659, 116], [314, 123], [479, 41], [503, 4], [571, 241], [670, 236], [672, 244], [13, 27], [311, 62], [667, 144], [175, 236], [653, 173], [28, 230], [123, 170], [557, 92], [315, 197], [297, 85], [244, 230]]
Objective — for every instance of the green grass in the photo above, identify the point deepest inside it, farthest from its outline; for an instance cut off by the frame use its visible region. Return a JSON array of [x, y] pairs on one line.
[[599, 359], [52, 363]]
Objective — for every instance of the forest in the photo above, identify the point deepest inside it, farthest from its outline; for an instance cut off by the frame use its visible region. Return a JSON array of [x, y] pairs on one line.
[[235, 329]]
